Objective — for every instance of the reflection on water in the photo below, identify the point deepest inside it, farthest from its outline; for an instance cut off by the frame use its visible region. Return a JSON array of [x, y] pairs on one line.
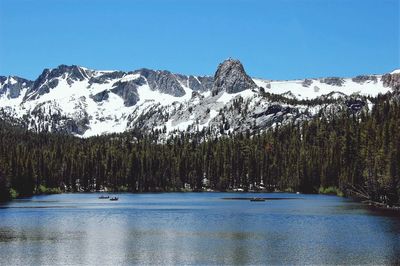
[[195, 228]]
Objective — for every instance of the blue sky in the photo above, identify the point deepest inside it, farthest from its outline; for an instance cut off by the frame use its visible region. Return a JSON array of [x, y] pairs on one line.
[[274, 39]]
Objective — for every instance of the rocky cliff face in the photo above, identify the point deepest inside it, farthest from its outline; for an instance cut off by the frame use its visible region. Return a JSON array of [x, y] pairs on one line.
[[232, 78], [392, 81], [11, 87], [163, 81], [127, 90], [83, 102]]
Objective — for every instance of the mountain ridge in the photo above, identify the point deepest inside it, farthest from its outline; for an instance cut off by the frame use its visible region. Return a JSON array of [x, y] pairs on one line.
[[84, 102]]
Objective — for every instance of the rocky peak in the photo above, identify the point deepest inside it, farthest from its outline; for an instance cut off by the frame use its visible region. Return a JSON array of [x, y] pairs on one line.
[[13, 85], [49, 79], [70, 72], [232, 78], [3, 80]]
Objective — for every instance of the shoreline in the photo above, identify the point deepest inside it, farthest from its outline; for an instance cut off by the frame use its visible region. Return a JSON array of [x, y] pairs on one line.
[[160, 192], [376, 206]]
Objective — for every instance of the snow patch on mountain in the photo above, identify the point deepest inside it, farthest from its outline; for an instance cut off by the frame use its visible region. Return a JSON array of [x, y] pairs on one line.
[[396, 71], [313, 88], [225, 97]]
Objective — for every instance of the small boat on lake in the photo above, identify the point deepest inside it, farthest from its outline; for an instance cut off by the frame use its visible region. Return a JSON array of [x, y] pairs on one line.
[[104, 197], [114, 198], [257, 199]]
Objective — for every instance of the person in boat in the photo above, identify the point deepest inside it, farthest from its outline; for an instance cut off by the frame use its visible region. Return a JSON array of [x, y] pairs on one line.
[[257, 199]]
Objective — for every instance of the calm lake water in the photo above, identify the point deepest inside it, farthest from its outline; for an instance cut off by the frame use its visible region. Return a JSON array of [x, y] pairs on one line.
[[195, 228]]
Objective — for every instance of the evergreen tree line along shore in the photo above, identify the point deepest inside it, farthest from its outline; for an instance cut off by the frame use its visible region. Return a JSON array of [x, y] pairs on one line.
[[348, 154]]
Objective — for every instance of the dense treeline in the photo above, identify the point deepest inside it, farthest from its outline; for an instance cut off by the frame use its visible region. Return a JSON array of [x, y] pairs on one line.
[[356, 153]]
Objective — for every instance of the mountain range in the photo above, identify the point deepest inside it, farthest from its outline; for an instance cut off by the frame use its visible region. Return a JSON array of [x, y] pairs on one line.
[[84, 102]]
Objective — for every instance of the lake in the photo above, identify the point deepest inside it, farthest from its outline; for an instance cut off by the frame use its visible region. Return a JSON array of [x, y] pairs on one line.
[[195, 228]]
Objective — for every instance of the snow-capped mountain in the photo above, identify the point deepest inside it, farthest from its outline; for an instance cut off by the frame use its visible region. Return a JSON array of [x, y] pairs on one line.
[[84, 102]]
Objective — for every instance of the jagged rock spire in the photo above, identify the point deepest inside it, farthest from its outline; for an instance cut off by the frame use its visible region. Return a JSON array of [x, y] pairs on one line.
[[231, 77]]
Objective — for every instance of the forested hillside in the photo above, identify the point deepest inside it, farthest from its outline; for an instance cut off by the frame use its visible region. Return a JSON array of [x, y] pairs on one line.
[[357, 153]]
